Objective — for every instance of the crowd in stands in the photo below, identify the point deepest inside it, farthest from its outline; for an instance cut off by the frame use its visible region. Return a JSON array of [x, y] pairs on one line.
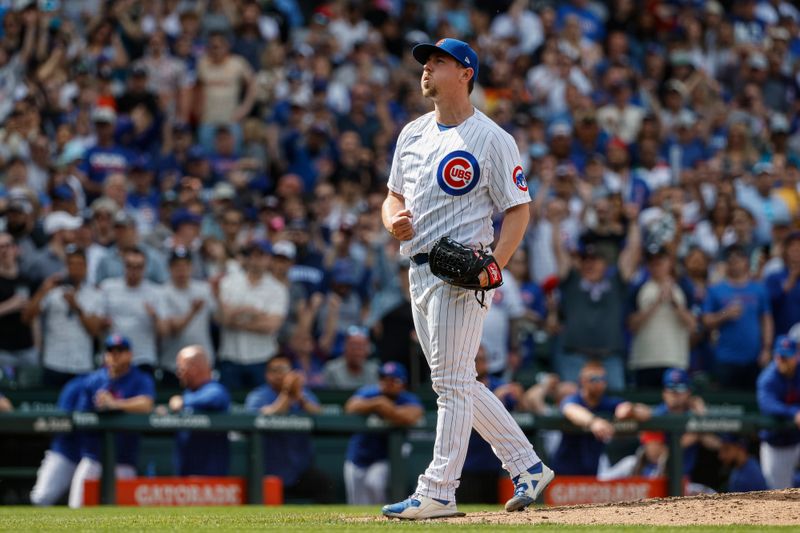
[[210, 174]]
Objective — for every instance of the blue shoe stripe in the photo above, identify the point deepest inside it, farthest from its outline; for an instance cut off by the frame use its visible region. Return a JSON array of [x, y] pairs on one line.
[[538, 468], [443, 502]]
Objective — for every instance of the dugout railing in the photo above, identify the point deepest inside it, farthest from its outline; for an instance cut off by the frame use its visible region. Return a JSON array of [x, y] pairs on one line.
[[256, 427]]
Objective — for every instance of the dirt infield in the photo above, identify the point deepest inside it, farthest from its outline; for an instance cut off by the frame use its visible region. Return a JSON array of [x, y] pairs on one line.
[[768, 508], [757, 508]]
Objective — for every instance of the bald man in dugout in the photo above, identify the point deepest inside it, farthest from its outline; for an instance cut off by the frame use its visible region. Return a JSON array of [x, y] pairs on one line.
[[199, 453]]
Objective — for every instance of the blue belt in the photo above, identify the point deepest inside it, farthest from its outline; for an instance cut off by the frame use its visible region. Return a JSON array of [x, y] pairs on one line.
[[420, 259]]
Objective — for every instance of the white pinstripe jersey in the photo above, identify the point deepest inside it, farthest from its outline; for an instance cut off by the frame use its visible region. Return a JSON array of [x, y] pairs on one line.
[[453, 180]]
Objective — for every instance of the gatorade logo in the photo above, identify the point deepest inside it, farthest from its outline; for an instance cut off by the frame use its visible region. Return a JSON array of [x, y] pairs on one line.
[[458, 173], [519, 179]]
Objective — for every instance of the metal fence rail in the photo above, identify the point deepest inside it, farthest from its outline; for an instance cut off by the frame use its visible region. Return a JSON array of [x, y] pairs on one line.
[[255, 426]]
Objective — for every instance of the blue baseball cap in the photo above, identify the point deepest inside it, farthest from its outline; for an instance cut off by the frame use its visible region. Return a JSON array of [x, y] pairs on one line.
[[676, 379], [785, 347], [184, 216], [259, 245], [392, 369], [115, 340], [458, 50]]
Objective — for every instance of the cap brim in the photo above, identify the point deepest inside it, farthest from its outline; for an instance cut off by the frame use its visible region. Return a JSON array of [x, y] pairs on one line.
[[423, 51]]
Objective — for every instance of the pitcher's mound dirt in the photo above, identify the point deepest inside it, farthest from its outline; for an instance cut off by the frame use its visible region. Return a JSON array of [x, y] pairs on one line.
[[756, 508]]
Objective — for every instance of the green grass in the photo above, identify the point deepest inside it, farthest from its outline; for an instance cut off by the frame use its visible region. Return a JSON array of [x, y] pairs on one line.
[[318, 519]]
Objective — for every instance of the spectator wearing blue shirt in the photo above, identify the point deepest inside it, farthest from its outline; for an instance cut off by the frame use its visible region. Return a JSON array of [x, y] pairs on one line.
[[784, 287], [591, 24], [366, 470], [199, 453], [105, 157], [289, 455], [746, 473], [778, 393], [579, 453], [739, 308], [117, 387], [684, 150], [677, 399], [55, 473]]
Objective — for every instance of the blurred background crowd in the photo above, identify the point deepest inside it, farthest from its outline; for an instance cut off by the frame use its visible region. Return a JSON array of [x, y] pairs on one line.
[[211, 173]]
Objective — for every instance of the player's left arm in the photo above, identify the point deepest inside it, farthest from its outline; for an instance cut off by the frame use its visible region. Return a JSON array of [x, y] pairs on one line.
[[515, 222]]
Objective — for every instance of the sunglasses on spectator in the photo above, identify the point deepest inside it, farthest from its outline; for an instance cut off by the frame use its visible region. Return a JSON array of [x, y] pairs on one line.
[[597, 378]]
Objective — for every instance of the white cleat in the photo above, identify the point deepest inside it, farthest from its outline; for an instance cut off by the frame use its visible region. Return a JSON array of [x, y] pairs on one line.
[[421, 508], [529, 485]]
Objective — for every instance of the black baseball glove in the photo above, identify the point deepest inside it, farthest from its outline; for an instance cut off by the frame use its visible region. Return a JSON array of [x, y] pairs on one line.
[[461, 266]]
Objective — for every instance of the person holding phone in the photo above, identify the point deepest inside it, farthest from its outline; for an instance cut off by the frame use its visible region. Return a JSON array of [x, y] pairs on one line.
[[68, 308]]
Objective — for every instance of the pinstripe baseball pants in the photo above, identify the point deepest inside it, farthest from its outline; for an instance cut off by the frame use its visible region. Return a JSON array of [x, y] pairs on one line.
[[449, 323]]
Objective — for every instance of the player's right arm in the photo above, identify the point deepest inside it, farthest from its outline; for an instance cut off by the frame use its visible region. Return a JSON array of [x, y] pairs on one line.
[[396, 218]]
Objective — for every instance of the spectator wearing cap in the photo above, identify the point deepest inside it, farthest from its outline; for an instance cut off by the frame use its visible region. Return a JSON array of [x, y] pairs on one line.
[[684, 149], [68, 307], [60, 227], [137, 93], [366, 469], [20, 223], [579, 454], [199, 453], [172, 162], [593, 294], [660, 321], [252, 307], [143, 199], [777, 392], [189, 307], [482, 468], [353, 368], [739, 308], [62, 198], [224, 157], [127, 237], [101, 212], [106, 156], [185, 226], [289, 455], [762, 200], [745, 474], [134, 307], [223, 77], [589, 139], [783, 287], [16, 338], [117, 387], [620, 179], [677, 399]]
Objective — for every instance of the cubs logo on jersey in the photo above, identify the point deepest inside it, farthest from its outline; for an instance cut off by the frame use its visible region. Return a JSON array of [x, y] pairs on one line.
[[458, 173], [519, 178]]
